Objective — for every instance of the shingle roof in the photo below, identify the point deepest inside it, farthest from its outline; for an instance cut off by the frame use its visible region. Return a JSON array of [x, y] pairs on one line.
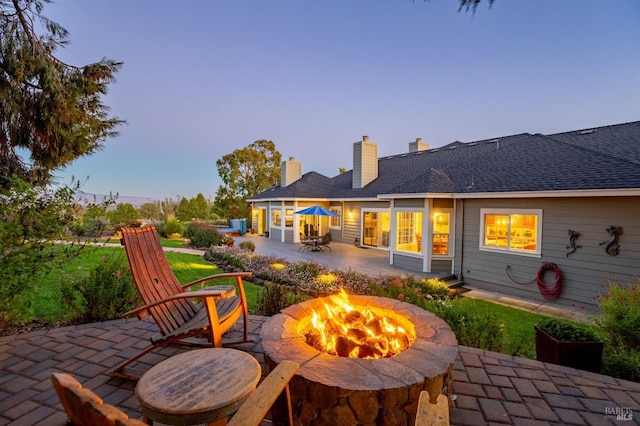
[[603, 158]]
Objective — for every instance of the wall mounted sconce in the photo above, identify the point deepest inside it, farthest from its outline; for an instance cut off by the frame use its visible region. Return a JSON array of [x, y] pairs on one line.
[[350, 214]]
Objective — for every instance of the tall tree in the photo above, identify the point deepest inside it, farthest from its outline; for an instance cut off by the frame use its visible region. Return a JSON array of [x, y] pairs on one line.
[[49, 109], [246, 172], [199, 206], [123, 213], [50, 114], [184, 211], [150, 210]]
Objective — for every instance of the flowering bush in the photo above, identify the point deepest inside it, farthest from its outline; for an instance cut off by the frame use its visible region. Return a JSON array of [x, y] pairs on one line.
[[621, 314], [620, 327], [310, 275]]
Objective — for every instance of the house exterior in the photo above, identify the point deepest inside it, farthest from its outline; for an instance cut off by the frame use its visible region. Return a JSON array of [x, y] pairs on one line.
[[492, 212]]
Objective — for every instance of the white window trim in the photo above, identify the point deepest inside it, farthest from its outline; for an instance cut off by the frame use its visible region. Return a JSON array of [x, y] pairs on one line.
[[424, 225], [451, 214], [339, 210], [509, 250]]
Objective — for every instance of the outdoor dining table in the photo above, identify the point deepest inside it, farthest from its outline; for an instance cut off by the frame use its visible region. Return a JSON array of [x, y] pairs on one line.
[[199, 386]]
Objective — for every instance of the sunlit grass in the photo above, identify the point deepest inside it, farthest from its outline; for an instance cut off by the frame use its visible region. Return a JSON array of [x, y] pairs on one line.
[[45, 301]]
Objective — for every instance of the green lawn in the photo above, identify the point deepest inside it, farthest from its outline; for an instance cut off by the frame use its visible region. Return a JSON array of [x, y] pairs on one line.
[[187, 267], [518, 325]]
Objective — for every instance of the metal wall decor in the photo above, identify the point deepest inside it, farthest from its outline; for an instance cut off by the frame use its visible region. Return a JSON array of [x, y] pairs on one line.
[[573, 236], [611, 246]]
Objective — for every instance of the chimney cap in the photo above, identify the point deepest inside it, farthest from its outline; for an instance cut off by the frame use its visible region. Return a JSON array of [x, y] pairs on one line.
[[292, 159], [365, 138]]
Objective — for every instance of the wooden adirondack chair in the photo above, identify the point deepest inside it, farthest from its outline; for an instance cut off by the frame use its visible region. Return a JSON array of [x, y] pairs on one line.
[[170, 304], [83, 407], [432, 413]]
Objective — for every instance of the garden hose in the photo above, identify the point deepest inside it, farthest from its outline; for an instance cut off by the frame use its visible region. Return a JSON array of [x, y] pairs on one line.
[[549, 291]]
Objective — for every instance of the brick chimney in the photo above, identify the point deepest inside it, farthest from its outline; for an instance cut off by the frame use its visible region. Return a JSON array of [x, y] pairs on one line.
[[418, 145], [365, 163], [290, 171]]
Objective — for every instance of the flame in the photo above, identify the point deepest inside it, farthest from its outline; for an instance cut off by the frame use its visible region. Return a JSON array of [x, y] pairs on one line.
[[347, 331]]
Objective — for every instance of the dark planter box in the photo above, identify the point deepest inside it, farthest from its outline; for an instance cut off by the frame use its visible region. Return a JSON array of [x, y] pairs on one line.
[[580, 355]]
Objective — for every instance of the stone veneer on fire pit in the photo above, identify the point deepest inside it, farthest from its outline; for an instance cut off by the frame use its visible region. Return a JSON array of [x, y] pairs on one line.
[[330, 390]]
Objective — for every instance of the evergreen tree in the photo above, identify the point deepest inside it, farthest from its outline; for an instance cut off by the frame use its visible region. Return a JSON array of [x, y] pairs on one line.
[[49, 109], [184, 212], [199, 207]]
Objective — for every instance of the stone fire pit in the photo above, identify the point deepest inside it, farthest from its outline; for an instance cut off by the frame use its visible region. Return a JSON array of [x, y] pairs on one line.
[[331, 390]]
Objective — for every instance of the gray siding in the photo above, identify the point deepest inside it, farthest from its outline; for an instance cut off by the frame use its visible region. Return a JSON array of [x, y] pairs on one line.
[[584, 273], [409, 263], [275, 234], [441, 266]]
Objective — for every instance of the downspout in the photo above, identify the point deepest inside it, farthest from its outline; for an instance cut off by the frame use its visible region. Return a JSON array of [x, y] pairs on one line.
[[460, 276], [342, 222]]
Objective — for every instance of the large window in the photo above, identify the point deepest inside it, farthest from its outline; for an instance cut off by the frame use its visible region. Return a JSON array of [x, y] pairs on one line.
[[335, 221], [517, 231], [409, 231]]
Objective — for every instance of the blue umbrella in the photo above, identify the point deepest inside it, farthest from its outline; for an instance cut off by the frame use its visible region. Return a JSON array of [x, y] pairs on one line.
[[316, 211]]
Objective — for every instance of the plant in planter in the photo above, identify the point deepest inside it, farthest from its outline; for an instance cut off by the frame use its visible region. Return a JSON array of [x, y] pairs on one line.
[[227, 240], [565, 343], [247, 245]]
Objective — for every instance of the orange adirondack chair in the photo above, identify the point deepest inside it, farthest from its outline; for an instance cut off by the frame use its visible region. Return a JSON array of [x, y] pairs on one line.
[[170, 304], [85, 407]]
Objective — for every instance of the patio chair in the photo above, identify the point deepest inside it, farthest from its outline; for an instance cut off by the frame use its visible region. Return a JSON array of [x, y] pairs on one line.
[[432, 413], [323, 243], [84, 407], [170, 305]]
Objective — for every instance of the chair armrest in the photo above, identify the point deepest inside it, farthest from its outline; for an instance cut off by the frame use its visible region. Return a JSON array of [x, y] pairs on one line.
[[200, 294], [430, 414], [255, 408], [201, 281]]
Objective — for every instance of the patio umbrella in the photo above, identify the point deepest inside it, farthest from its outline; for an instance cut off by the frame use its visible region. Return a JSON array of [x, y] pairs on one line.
[[316, 211]]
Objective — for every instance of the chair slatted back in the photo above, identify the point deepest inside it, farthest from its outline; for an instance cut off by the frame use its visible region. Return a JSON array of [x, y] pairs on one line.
[[154, 278], [83, 407]]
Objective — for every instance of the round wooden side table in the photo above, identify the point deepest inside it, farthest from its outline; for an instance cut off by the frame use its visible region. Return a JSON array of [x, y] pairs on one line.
[[199, 386]]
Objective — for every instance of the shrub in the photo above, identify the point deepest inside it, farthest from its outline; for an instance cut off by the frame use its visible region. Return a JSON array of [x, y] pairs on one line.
[[247, 245], [171, 227], [620, 328], [32, 218], [203, 235], [622, 363], [105, 293], [471, 327], [620, 319], [272, 298]]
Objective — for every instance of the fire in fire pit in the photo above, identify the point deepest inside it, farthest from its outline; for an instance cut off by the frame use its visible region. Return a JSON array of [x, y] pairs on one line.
[[347, 331], [329, 389]]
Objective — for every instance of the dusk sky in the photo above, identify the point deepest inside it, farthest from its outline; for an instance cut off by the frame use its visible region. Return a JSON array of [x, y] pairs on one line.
[[203, 78]]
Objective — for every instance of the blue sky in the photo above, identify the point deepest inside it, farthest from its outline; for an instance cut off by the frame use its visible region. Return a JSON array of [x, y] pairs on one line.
[[203, 78]]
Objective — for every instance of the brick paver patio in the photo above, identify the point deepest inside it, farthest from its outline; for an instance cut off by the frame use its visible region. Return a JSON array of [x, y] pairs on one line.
[[490, 388]]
